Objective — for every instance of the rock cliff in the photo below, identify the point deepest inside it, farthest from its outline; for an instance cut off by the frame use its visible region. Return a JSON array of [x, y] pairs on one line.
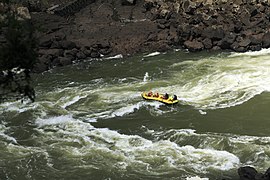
[[78, 29]]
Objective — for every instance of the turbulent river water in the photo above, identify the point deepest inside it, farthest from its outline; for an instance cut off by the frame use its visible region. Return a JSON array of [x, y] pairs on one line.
[[89, 120]]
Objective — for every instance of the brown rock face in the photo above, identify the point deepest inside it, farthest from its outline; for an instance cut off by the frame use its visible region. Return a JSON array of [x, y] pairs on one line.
[[217, 23], [97, 27]]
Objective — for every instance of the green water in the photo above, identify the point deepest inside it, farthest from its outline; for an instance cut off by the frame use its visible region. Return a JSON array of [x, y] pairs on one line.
[[90, 122]]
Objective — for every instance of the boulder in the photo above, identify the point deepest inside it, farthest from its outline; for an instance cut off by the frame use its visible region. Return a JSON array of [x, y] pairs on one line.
[[152, 37], [194, 45], [65, 61], [67, 44], [207, 43], [86, 50], [255, 47], [247, 173], [71, 54], [189, 7], [55, 62], [163, 46], [23, 12], [80, 55], [213, 32], [267, 174], [244, 42], [45, 42], [52, 52], [206, 2], [45, 59], [95, 54], [148, 5], [105, 51], [184, 31], [266, 40], [40, 67], [59, 36], [56, 45], [227, 41]]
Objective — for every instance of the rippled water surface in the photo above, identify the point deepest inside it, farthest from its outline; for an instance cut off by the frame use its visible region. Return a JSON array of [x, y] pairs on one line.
[[89, 120]]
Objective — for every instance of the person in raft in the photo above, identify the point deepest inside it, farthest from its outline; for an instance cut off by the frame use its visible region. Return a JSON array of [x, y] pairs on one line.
[[165, 96], [172, 98], [150, 94]]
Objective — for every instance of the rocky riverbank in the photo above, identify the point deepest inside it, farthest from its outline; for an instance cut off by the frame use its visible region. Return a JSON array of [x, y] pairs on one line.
[[70, 31]]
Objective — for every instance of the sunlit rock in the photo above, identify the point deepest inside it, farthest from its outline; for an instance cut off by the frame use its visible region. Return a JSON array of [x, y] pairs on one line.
[[23, 13]]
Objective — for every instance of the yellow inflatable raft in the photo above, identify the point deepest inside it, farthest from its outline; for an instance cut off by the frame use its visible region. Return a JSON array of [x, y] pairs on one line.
[[169, 101]]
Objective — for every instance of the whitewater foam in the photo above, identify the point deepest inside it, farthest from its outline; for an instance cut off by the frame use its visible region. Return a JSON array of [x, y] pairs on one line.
[[126, 110], [222, 82], [152, 54], [196, 178], [72, 101], [118, 56], [133, 151], [54, 120], [261, 52], [146, 77], [8, 138]]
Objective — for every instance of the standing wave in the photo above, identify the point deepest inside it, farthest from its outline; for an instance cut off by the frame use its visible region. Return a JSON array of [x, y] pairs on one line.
[[221, 82]]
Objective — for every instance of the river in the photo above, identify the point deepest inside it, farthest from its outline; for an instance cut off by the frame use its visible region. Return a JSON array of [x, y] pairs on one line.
[[89, 120]]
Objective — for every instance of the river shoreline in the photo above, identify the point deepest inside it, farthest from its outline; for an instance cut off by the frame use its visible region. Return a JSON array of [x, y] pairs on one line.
[[74, 31]]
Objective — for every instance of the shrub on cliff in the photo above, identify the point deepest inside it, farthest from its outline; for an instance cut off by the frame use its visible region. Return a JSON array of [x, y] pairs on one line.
[[18, 55]]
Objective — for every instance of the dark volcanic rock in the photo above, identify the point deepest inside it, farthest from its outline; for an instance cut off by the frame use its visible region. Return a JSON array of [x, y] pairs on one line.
[[244, 42], [207, 43], [52, 52], [249, 173], [95, 28], [94, 54], [63, 61], [194, 45], [266, 40], [81, 55], [45, 42], [215, 33], [68, 44]]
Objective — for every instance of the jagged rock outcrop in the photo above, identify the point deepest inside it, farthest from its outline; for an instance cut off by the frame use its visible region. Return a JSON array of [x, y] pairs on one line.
[[227, 24], [110, 27]]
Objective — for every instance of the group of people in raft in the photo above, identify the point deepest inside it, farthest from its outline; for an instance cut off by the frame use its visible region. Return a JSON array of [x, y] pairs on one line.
[[165, 96]]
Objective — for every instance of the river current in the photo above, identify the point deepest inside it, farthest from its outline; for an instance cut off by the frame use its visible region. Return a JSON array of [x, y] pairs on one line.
[[89, 120]]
